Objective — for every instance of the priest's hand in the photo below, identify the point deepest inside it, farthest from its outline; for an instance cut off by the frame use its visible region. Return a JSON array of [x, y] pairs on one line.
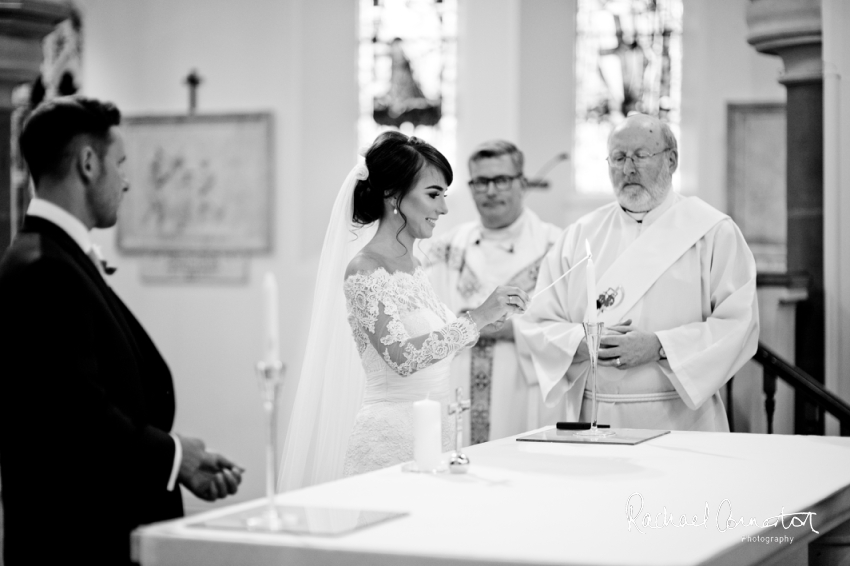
[[630, 348], [208, 475], [583, 354]]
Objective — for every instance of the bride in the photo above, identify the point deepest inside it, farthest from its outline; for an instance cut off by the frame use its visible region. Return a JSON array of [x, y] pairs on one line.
[[355, 415]]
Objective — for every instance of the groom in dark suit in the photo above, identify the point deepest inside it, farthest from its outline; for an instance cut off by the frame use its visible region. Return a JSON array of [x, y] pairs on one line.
[[86, 400]]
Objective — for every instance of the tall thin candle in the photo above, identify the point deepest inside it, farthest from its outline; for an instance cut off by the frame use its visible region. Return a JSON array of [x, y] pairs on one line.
[[271, 330], [591, 285]]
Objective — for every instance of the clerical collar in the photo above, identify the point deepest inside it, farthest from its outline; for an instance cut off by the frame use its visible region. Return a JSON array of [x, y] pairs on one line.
[[69, 223], [638, 216], [505, 237], [509, 232]]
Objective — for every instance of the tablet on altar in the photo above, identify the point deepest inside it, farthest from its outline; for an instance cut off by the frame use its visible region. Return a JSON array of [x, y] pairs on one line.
[[627, 436], [319, 521]]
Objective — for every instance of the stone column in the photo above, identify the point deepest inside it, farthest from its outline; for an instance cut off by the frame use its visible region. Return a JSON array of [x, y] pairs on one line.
[[23, 24], [791, 29]]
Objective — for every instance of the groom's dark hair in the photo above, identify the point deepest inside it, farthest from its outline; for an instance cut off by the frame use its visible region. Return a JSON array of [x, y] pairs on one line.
[[395, 162], [48, 133]]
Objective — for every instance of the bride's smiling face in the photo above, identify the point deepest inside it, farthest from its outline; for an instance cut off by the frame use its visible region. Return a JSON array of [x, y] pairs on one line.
[[425, 202]]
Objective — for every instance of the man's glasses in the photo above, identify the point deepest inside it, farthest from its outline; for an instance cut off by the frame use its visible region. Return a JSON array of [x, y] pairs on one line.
[[502, 183], [619, 159]]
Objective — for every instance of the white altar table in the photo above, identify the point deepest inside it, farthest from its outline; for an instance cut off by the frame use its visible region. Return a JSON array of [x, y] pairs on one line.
[[532, 503]]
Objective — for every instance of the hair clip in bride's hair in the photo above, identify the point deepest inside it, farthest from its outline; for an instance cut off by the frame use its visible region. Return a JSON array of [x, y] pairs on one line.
[[361, 172]]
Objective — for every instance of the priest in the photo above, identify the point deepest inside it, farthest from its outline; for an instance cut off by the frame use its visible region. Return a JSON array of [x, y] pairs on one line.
[[504, 247], [676, 292]]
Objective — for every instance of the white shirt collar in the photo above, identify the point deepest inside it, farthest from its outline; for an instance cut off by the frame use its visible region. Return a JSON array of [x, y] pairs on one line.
[[65, 220], [510, 232]]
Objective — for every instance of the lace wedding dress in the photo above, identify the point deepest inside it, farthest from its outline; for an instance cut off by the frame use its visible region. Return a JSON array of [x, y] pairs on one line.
[[406, 339]]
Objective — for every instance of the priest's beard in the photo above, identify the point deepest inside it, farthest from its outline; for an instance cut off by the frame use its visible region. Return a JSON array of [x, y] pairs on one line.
[[650, 194]]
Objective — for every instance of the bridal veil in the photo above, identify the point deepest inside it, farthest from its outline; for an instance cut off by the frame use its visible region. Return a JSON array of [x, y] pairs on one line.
[[330, 389]]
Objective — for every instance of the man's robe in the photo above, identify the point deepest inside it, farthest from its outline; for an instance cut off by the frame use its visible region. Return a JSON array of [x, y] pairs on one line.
[[465, 266], [702, 306]]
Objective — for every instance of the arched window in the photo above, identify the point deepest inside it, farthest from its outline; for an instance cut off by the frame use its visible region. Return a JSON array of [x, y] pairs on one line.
[[408, 70], [628, 58]]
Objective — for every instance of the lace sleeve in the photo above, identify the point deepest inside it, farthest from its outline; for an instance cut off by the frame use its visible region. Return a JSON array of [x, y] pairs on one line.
[[375, 304]]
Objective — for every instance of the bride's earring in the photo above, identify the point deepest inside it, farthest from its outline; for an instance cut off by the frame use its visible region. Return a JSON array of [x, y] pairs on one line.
[[395, 211]]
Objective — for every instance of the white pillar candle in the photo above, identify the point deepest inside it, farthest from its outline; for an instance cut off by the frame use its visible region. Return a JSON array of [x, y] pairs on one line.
[[271, 331], [591, 286], [427, 434]]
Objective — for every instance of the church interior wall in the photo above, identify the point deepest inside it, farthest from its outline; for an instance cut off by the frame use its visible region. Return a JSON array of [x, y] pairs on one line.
[[288, 58], [719, 68], [836, 55], [297, 59]]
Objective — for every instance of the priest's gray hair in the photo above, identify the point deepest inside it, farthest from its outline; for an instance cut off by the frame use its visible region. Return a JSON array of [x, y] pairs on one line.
[[666, 133], [669, 139], [496, 148]]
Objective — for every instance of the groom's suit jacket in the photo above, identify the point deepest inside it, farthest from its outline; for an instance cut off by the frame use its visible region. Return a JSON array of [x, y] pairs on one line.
[[86, 403]]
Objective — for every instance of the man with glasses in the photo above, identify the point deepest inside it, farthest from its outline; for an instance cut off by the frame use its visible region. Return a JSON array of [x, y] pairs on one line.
[[676, 288], [505, 247]]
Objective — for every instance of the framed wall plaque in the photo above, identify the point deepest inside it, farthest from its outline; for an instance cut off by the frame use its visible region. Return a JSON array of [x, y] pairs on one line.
[[198, 184]]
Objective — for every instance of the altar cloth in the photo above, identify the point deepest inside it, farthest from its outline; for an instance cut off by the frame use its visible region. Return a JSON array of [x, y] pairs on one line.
[[544, 503]]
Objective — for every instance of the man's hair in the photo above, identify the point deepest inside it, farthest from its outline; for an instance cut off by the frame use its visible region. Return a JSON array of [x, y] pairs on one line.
[[49, 132], [669, 138], [666, 133], [495, 148]]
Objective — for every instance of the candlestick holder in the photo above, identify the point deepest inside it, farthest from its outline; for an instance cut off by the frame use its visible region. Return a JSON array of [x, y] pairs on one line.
[[593, 332], [270, 378], [459, 462]]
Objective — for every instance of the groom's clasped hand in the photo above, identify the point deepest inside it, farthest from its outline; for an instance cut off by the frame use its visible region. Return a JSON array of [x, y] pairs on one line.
[[207, 474]]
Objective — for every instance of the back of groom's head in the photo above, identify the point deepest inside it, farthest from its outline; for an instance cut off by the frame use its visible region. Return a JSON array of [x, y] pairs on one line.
[[47, 136]]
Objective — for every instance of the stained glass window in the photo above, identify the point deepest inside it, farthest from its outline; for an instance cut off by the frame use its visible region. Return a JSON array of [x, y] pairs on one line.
[[628, 59], [408, 70]]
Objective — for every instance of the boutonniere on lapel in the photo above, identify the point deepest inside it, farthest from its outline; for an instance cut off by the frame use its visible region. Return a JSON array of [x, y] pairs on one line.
[[610, 298], [97, 256]]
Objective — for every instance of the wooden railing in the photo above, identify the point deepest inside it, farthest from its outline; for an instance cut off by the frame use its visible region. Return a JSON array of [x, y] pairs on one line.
[[775, 367]]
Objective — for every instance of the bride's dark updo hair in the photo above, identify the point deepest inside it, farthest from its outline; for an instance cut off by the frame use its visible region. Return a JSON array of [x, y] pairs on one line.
[[394, 162]]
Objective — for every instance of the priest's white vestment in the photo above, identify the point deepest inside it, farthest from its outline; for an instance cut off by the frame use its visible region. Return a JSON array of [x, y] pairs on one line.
[[465, 266], [685, 273]]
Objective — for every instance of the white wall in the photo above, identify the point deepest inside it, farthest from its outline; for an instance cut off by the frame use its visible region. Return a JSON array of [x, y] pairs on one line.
[[289, 58], [720, 67], [297, 59]]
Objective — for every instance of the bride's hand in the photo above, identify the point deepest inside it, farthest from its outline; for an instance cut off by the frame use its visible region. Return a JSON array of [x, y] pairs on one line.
[[503, 302]]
